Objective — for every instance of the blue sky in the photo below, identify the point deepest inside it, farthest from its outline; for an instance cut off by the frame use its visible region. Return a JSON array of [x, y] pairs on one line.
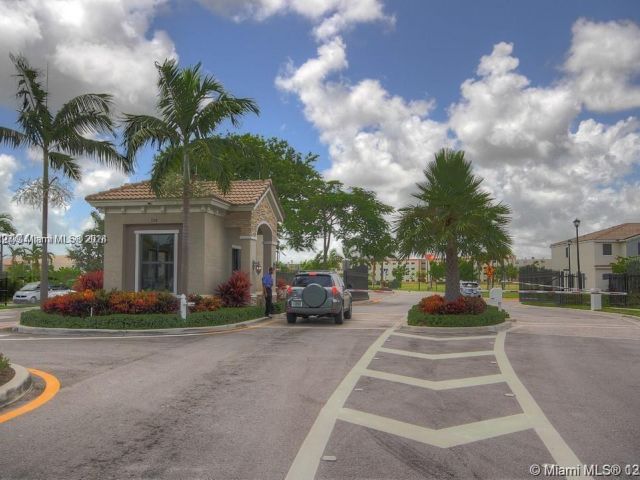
[[536, 118]]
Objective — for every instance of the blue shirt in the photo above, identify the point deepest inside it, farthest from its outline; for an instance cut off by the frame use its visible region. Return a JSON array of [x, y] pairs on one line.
[[267, 280]]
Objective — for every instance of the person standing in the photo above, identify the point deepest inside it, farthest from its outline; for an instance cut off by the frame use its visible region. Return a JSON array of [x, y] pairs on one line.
[[267, 286]]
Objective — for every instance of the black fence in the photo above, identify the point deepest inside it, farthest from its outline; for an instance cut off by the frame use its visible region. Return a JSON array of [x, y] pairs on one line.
[[630, 284], [4, 289], [552, 287]]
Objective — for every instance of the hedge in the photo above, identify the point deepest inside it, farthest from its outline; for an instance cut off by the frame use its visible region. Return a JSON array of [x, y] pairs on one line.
[[491, 316], [222, 316]]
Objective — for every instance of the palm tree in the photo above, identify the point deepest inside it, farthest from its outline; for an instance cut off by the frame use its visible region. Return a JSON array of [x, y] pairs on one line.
[[191, 107], [61, 138], [453, 217], [6, 227]]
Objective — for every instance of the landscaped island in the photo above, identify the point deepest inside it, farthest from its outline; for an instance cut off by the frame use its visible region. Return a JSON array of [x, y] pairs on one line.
[[434, 311]]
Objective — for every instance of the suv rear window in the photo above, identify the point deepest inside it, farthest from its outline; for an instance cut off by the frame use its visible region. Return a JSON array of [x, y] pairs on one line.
[[304, 280]]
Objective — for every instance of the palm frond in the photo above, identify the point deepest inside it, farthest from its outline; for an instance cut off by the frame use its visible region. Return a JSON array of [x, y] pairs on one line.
[[165, 164], [12, 138], [6, 223], [66, 164], [141, 130], [86, 114], [102, 150], [225, 107], [211, 160]]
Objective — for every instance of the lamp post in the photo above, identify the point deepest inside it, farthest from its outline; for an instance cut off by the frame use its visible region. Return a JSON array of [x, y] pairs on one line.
[[576, 224], [569, 257]]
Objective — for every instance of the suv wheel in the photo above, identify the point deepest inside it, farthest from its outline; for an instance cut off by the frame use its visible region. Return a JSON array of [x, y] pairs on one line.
[[291, 318], [339, 316]]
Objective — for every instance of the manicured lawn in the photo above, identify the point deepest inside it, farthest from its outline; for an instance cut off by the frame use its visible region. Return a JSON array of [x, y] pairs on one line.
[[625, 311], [14, 305], [222, 316], [491, 316]]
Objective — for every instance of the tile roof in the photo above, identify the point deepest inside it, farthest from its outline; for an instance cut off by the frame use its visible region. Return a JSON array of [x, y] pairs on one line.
[[617, 233], [242, 192]]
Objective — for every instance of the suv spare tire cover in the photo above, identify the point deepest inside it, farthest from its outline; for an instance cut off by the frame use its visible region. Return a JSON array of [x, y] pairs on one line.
[[314, 295]]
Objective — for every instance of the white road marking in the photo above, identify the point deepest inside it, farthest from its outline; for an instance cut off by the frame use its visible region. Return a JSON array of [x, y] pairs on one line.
[[305, 464], [444, 437], [435, 384], [437, 356], [441, 339], [558, 448]]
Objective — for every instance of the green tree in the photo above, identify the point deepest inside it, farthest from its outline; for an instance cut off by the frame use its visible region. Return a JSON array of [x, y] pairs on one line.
[[467, 269], [437, 271], [89, 256], [6, 228], [191, 106], [398, 274], [292, 173], [61, 138], [65, 276], [453, 217], [333, 262]]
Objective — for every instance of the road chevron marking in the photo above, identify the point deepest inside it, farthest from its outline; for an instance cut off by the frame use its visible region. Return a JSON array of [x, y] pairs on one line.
[[444, 437], [558, 448], [442, 339], [436, 356], [306, 463], [435, 385]]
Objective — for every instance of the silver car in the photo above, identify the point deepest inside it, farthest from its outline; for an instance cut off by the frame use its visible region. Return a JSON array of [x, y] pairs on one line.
[[318, 294], [470, 289], [30, 293]]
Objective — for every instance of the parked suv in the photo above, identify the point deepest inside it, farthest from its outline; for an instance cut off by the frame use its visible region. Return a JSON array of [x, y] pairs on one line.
[[30, 293], [318, 294], [470, 289]]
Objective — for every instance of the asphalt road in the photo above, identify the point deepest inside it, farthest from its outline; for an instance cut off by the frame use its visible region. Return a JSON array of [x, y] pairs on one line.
[[275, 400]]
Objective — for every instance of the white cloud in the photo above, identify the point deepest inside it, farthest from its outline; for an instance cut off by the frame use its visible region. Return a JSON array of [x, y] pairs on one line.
[[96, 178], [100, 46], [330, 17], [376, 140], [603, 62], [523, 139]]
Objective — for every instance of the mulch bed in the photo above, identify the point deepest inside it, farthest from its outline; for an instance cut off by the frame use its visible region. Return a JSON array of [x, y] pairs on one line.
[[6, 375]]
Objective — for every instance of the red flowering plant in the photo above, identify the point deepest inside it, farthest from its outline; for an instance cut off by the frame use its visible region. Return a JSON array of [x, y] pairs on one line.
[[204, 304], [437, 305], [89, 281], [235, 292]]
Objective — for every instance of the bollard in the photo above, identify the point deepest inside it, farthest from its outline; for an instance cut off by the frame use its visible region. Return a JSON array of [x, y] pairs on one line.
[[596, 299], [183, 306], [495, 297]]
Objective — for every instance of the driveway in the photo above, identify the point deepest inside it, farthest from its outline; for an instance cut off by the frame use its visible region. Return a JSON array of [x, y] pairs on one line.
[[370, 399]]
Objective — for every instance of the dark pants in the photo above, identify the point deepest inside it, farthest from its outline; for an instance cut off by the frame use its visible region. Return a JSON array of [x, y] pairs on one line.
[[268, 302]]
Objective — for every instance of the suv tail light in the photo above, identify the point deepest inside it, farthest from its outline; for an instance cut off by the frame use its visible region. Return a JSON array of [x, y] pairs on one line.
[[289, 290], [334, 290]]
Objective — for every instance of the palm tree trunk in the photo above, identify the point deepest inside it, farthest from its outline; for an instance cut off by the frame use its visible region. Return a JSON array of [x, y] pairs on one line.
[[44, 269], [452, 279], [186, 204]]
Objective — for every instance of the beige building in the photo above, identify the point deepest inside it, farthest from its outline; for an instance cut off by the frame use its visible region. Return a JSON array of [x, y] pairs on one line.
[[233, 231], [598, 250], [384, 270]]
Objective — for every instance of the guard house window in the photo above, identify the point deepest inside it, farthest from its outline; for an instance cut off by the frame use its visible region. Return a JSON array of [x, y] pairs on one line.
[[235, 259], [566, 252], [606, 249], [156, 261]]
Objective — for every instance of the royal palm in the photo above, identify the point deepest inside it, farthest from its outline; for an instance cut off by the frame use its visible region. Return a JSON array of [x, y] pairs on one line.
[[61, 138], [191, 107], [453, 216]]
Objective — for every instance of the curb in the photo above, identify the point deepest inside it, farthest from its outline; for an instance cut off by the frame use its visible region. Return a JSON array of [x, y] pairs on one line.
[[84, 332], [506, 325], [16, 387]]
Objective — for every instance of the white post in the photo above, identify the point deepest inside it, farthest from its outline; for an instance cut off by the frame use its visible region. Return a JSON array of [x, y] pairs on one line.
[[495, 297], [596, 299], [183, 306]]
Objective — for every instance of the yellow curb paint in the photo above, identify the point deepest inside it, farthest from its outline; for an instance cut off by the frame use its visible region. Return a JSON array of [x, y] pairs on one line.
[[52, 385]]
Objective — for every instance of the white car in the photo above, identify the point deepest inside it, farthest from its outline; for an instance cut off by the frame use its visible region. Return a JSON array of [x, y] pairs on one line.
[[30, 293], [470, 289]]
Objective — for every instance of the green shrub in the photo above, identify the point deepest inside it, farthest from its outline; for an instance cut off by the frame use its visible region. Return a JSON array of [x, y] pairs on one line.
[[491, 316], [4, 362], [141, 321]]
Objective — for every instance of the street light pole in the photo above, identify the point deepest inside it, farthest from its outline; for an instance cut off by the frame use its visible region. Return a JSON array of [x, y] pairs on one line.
[[576, 223]]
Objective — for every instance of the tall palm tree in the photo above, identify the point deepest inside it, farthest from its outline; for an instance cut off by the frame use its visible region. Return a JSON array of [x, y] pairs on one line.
[[61, 137], [453, 217], [6, 227], [191, 106]]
